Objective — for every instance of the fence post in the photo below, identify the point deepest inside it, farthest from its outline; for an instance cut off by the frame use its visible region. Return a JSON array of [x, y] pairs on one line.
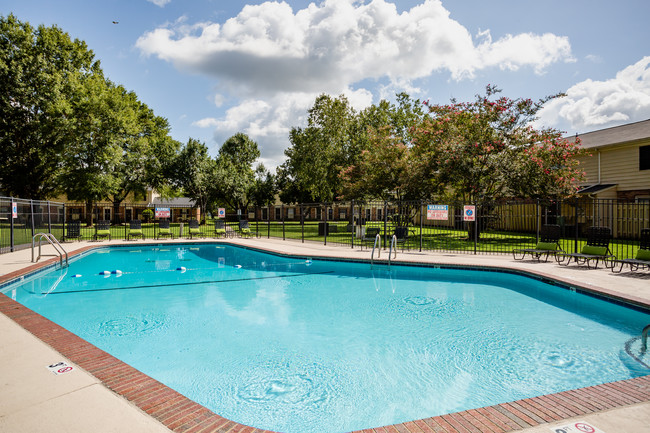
[[475, 228], [421, 223], [268, 220], [64, 221], [283, 237], [302, 224], [353, 224], [385, 222], [537, 221], [11, 224], [31, 207], [575, 219], [49, 218]]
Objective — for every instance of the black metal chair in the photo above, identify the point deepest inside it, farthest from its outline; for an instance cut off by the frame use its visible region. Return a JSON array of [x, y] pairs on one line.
[[642, 258], [370, 236], [135, 229], [195, 229], [220, 228], [548, 245], [402, 236], [103, 229], [597, 249], [73, 230], [164, 230], [245, 229]]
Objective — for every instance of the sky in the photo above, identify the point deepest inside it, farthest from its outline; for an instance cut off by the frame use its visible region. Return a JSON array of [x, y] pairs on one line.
[[217, 67]]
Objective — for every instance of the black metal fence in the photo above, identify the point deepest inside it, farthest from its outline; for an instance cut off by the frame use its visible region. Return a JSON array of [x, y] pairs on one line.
[[482, 228]]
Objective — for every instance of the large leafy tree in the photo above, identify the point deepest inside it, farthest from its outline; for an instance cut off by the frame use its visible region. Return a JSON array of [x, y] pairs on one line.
[[195, 173], [39, 70], [488, 149], [236, 178], [318, 152], [98, 125]]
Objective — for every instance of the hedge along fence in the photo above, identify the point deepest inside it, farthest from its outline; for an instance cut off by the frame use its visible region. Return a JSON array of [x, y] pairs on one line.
[[498, 227]]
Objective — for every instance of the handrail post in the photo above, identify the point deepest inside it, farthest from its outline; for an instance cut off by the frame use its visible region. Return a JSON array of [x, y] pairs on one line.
[[644, 338]]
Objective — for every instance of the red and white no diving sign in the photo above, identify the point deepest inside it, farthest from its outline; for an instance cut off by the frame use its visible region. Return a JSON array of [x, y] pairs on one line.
[[60, 368], [578, 427]]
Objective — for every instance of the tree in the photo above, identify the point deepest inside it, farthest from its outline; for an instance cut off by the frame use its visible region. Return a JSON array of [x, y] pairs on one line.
[[39, 69], [264, 187], [94, 139], [488, 149], [195, 173], [235, 175], [319, 151]]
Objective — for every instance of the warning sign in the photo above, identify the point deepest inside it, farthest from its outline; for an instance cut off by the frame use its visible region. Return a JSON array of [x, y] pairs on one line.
[[60, 368], [222, 212], [162, 212], [437, 212], [14, 210], [577, 427], [469, 213]]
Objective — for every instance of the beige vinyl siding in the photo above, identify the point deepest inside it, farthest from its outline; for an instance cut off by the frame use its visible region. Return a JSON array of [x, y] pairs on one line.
[[619, 165]]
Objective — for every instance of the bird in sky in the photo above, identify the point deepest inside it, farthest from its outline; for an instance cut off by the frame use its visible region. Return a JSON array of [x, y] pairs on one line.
[[116, 22]]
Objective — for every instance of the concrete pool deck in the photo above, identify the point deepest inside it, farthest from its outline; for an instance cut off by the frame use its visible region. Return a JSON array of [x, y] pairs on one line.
[[102, 394]]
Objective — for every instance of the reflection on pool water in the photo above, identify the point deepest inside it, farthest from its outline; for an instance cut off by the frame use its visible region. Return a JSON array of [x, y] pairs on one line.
[[296, 345]]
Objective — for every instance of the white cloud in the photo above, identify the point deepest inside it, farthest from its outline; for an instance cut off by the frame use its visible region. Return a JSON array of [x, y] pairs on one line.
[[340, 42], [593, 105], [207, 122], [160, 3], [274, 61]]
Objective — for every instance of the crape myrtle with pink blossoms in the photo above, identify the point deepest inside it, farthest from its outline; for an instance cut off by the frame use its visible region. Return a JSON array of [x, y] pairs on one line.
[[472, 152]]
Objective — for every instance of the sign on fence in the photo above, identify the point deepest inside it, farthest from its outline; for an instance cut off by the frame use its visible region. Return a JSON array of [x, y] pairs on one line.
[[162, 212], [469, 213], [437, 212], [222, 212], [14, 210]]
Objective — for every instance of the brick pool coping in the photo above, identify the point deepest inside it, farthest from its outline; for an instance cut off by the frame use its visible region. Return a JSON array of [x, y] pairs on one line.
[[180, 414]]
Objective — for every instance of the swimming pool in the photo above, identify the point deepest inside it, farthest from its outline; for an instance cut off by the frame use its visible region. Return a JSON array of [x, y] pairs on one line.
[[292, 345]]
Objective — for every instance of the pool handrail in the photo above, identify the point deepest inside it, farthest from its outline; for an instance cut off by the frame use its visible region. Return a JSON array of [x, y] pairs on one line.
[[372, 255], [644, 338], [54, 242], [393, 243]]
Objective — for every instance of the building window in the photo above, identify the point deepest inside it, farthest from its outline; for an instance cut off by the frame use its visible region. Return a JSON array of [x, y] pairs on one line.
[[644, 158]]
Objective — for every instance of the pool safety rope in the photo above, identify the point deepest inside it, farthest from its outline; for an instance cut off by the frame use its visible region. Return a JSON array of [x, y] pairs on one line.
[[186, 283]]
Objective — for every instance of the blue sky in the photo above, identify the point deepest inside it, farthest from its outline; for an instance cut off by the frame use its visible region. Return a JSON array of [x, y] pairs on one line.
[[217, 67]]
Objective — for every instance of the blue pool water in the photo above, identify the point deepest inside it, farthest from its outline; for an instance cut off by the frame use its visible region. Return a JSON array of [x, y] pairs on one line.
[[305, 346]]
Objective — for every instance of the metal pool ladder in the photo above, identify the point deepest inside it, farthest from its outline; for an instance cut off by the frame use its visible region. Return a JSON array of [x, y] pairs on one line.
[[393, 243], [644, 339], [372, 255], [61, 252]]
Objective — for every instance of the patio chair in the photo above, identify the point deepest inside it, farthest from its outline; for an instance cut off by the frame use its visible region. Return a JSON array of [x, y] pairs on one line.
[[195, 229], [641, 259], [597, 249], [370, 236], [548, 245], [135, 230], [103, 229], [244, 229], [73, 231], [164, 229], [401, 236], [220, 228]]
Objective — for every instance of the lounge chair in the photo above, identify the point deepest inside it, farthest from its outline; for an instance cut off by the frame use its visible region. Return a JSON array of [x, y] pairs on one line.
[[195, 229], [548, 245], [401, 236], [370, 236], [597, 249], [135, 229], [164, 229], [244, 229], [642, 258], [220, 228], [73, 230], [103, 230]]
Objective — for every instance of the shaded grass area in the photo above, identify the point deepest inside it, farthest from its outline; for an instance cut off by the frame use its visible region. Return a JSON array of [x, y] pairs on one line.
[[427, 239]]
